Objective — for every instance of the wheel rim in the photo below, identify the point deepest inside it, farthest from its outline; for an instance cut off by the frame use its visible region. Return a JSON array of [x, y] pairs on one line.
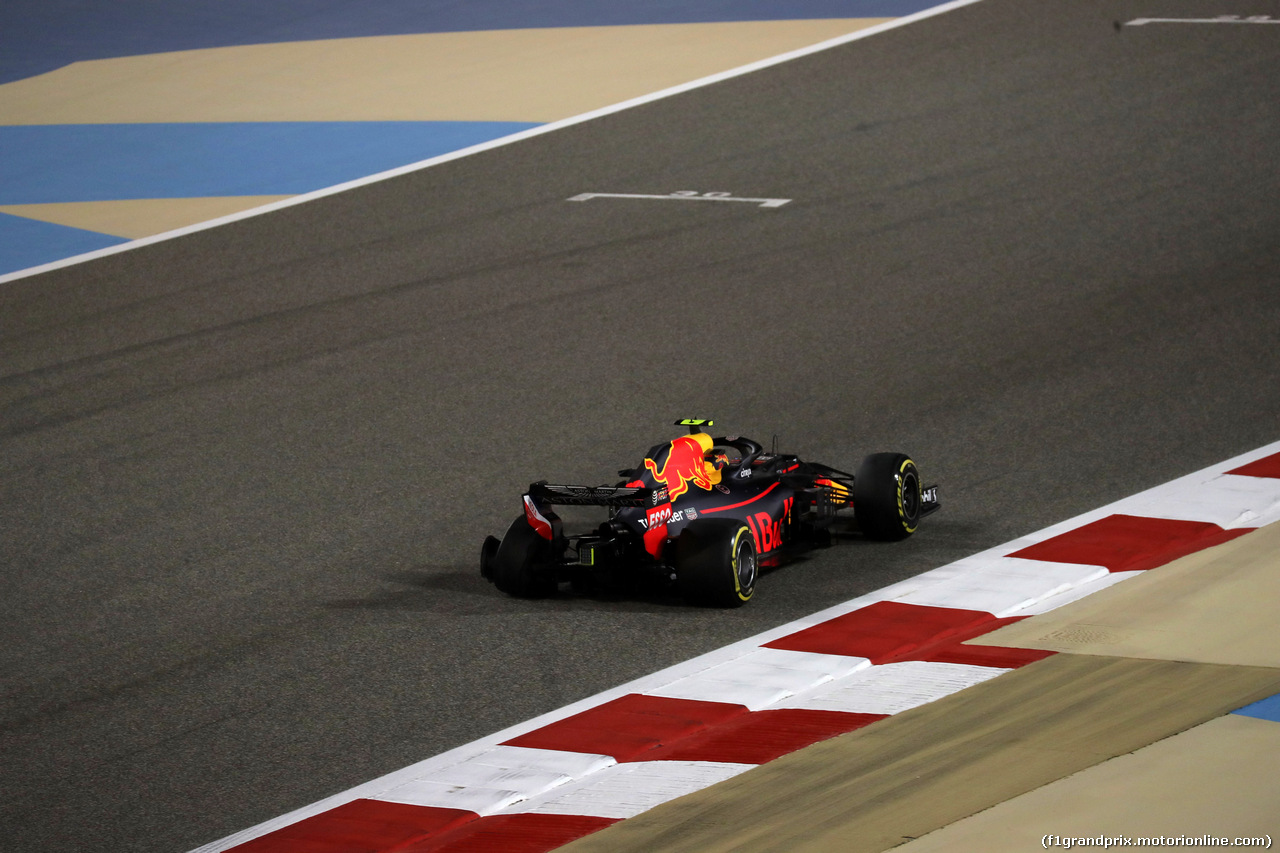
[[910, 496], [746, 560]]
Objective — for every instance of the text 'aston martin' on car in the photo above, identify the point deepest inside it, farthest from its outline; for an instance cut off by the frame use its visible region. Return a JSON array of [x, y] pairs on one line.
[[705, 513]]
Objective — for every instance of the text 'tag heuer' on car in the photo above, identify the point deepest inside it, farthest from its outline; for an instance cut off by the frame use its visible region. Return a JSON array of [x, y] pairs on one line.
[[705, 513]]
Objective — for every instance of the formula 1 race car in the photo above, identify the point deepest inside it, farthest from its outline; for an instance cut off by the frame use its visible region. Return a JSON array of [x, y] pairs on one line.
[[705, 513]]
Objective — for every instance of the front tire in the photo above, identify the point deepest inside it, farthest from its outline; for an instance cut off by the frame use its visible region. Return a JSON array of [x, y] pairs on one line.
[[514, 567], [886, 496], [716, 563]]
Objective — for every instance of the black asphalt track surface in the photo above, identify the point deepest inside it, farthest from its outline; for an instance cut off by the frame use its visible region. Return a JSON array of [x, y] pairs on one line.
[[246, 473]]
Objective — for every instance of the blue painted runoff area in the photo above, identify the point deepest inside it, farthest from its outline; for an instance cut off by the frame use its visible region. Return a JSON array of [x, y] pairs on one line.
[[27, 243], [1267, 709], [42, 164], [113, 162], [37, 36]]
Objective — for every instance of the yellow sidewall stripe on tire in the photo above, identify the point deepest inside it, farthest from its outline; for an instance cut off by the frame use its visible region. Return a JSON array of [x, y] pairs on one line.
[[902, 510], [737, 584]]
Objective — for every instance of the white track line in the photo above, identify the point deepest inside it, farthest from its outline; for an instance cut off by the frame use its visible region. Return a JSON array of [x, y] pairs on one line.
[[486, 146]]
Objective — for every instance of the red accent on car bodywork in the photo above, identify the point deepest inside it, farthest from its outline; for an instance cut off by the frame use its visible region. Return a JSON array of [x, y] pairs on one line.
[[744, 503], [536, 519]]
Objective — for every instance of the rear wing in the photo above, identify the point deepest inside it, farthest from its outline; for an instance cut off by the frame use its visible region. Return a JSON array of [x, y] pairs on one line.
[[547, 494]]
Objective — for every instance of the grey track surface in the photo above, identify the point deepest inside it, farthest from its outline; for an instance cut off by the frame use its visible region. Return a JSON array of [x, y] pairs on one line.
[[244, 475]]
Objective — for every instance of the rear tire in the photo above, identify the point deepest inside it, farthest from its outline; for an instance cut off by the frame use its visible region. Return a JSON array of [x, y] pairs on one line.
[[515, 564], [487, 552], [716, 563], [886, 496]]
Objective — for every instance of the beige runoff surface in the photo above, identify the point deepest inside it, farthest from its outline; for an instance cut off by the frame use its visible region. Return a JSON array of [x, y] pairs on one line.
[[137, 218], [1217, 779], [528, 75], [535, 75], [1215, 606], [921, 770], [1123, 733], [1220, 779]]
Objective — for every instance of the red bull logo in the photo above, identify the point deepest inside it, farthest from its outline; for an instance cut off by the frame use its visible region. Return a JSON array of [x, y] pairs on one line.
[[685, 464]]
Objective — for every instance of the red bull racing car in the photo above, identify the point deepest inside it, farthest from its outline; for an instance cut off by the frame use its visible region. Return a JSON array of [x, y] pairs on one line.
[[706, 513]]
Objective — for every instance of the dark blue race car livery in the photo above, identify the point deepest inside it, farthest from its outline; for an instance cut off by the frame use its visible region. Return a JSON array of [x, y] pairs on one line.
[[705, 513]]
